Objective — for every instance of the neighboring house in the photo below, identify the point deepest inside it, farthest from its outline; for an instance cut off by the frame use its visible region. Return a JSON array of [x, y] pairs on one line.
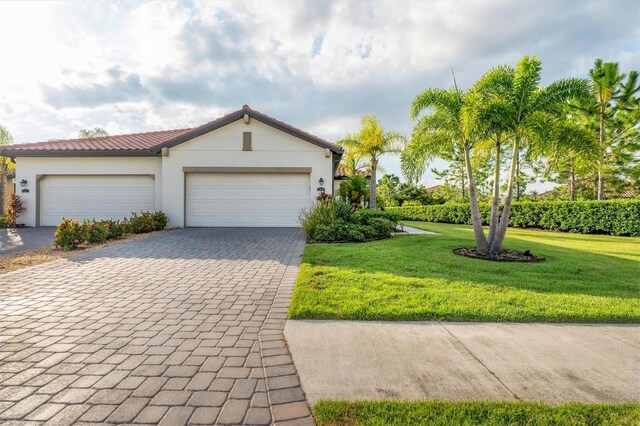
[[341, 175], [244, 169], [609, 191]]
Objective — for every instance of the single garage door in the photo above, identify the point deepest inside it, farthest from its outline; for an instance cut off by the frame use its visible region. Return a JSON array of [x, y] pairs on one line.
[[245, 199], [94, 197]]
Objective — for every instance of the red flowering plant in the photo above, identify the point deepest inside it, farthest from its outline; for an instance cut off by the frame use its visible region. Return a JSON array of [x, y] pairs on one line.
[[69, 234], [96, 231]]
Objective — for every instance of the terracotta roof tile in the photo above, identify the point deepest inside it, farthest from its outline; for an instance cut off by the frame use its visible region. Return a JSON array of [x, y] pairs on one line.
[[129, 142]]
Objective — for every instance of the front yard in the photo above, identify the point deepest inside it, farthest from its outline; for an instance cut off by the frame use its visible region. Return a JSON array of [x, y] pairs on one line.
[[585, 278], [473, 413]]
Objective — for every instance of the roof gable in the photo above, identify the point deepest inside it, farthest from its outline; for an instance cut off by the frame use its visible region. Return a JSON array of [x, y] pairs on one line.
[[238, 115]]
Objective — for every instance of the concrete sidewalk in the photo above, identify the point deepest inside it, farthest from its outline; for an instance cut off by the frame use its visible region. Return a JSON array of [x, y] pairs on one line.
[[355, 360]]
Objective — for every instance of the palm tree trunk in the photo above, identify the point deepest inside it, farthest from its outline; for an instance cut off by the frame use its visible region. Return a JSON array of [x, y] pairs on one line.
[[372, 184], [602, 155], [464, 184], [572, 184], [482, 244], [518, 176], [495, 200], [496, 244]]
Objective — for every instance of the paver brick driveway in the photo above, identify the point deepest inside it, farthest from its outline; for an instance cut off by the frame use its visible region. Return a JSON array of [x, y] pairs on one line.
[[184, 326]]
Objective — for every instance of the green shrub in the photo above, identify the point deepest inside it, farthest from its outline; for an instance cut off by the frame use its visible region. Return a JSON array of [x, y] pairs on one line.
[[364, 215], [160, 220], [4, 221], [116, 228], [69, 234], [336, 221], [95, 231], [142, 223], [614, 217], [324, 213]]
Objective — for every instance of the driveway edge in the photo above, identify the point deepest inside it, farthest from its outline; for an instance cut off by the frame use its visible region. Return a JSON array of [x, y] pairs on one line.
[[287, 401]]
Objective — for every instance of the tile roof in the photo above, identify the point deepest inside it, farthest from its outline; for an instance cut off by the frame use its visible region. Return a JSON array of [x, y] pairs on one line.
[[151, 143], [128, 142], [342, 173]]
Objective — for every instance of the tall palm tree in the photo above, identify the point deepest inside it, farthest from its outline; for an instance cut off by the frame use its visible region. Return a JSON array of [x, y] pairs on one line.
[[526, 105], [505, 106], [443, 133], [372, 142]]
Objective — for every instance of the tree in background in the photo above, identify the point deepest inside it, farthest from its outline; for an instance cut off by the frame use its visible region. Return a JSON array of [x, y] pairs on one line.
[[371, 143], [92, 133], [613, 113], [388, 191], [568, 152], [6, 166]]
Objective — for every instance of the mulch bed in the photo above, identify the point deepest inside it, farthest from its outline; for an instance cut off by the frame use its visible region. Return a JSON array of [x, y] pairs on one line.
[[504, 256], [15, 261]]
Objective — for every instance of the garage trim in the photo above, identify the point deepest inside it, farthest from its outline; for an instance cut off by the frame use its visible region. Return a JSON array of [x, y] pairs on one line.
[[297, 170], [40, 178]]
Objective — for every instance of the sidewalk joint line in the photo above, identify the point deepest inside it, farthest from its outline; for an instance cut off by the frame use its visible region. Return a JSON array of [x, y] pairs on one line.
[[480, 362]]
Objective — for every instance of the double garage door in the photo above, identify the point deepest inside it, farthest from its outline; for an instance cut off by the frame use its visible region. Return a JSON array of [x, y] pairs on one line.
[[245, 199], [211, 199]]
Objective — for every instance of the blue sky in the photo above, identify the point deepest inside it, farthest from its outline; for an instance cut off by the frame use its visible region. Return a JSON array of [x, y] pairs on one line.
[[319, 65]]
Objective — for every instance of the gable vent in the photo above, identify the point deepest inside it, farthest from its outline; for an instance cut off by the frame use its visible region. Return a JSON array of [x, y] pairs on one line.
[[246, 141]]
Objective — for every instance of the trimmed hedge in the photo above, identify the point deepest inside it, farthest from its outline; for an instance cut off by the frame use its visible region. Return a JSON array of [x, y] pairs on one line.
[[614, 217]]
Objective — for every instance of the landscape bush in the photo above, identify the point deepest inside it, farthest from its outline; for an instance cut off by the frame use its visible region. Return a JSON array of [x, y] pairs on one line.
[[14, 209], [95, 231], [613, 217], [117, 229], [147, 222], [336, 220], [4, 221], [69, 234]]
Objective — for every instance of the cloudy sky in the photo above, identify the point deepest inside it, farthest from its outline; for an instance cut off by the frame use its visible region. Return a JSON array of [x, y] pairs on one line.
[[320, 65]]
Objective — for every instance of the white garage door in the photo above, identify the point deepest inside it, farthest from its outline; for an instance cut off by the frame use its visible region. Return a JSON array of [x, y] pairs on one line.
[[245, 199], [94, 197]]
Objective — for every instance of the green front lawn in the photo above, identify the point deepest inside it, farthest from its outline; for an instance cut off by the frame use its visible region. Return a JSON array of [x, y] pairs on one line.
[[473, 413], [585, 278]]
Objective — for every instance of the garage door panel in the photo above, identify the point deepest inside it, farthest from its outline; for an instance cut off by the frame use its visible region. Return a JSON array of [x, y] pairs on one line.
[[94, 197], [252, 199]]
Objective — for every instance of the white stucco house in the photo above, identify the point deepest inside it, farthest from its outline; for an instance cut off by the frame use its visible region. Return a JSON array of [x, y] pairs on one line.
[[244, 169]]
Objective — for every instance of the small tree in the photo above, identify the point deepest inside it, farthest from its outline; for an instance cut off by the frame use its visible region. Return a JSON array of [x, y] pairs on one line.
[[354, 190], [372, 142], [92, 133]]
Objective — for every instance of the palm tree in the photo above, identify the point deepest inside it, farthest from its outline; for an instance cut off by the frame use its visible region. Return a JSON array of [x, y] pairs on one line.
[[443, 133], [372, 142], [569, 148], [526, 106], [505, 105]]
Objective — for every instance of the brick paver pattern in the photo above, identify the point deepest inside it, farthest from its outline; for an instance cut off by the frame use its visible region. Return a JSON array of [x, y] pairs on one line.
[[181, 327]]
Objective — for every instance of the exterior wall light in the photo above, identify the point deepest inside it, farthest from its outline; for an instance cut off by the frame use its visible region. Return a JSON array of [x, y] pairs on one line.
[[23, 183], [321, 182]]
